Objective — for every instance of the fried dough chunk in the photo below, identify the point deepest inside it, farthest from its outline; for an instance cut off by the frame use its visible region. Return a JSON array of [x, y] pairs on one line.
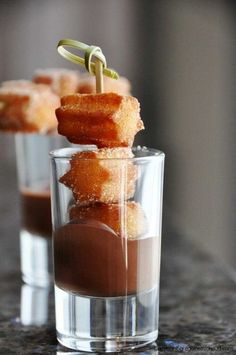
[[62, 81], [127, 220], [120, 86], [27, 107], [107, 120], [105, 175]]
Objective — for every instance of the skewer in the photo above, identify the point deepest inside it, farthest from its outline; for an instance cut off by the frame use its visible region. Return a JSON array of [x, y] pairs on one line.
[[99, 76]]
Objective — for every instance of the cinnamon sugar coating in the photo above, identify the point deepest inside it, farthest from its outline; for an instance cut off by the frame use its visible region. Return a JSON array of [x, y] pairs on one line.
[[107, 120], [105, 175]]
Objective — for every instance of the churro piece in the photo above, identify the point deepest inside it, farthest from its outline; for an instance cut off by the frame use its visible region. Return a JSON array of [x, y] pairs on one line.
[[27, 107], [107, 120], [62, 81], [120, 86], [127, 220], [106, 175]]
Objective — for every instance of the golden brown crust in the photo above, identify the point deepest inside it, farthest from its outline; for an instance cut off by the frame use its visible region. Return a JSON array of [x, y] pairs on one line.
[[107, 120], [104, 176], [27, 107], [62, 81], [126, 220]]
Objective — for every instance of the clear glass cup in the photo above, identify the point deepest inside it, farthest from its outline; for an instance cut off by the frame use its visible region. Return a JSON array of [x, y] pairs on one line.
[[107, 256], [35, 205]]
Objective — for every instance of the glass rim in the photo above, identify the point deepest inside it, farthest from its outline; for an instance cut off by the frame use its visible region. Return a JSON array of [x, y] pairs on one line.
[[67, 153]]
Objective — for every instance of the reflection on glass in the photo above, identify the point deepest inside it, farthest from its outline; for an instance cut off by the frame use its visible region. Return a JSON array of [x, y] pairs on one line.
[[34, 305]]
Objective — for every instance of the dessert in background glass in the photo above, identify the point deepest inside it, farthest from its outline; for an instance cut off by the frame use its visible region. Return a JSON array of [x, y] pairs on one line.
[[35, 207], [107, 254], [27, 110]]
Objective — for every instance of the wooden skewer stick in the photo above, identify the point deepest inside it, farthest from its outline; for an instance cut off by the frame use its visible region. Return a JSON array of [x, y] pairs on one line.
[[99, 76]]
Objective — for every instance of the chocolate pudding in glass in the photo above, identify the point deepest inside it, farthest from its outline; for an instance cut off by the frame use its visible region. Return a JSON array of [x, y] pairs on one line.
[[103, 264], [35, 209]]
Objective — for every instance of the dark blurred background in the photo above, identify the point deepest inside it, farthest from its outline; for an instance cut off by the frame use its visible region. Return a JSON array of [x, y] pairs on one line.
[[180, 57]]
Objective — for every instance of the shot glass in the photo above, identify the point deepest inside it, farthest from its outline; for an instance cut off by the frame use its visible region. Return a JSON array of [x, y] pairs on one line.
[[35, 205], [107, 255]]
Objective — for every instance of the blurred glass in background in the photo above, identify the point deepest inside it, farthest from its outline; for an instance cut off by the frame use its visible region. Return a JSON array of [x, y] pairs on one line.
[[180, 58]]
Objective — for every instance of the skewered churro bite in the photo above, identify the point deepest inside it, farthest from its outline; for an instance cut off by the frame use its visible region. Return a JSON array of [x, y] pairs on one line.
[[96, 176], [107, 120], [120, 86], [27, 107], [62, 81], [126, 220]]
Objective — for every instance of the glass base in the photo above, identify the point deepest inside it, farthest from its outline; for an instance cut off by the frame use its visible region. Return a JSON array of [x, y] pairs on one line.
[[107, 346], [106, 324], [36, 259]]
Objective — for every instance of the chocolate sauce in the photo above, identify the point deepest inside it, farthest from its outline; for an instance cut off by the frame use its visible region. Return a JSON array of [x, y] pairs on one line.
[[90, 259], [36, 212]]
